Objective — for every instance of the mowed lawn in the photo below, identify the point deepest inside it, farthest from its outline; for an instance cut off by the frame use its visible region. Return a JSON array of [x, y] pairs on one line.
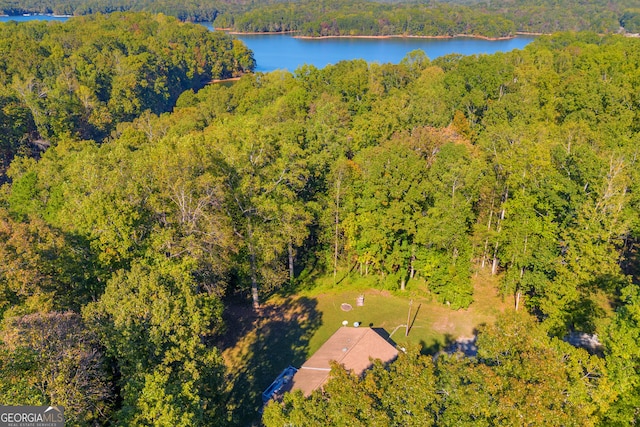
[[431, 325], [290, 329]]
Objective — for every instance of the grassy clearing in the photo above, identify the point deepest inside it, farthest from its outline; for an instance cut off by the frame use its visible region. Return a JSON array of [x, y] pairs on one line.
[[288, 330], [432, 325]]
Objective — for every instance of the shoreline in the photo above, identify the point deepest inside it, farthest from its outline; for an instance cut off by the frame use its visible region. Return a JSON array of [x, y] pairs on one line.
[[256, 33], [389, 36], [528, 33], [230, 79], [408, 36]]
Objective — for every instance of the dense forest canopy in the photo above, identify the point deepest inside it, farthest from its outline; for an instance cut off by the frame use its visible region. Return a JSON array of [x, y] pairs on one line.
[[83, 77], [125, 249]]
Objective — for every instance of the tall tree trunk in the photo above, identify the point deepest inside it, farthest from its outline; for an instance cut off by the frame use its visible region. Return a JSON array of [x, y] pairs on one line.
[[337, 229], [291, 269], [518, 286], [412, 270], [494, 266], [518, 291], [484, 253], [254, 274]]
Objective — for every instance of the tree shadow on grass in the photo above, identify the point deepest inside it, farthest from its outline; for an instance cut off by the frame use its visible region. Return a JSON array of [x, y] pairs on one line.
[[415, 316], [436, 346], [583, 313], [466, 346], [279, 337]]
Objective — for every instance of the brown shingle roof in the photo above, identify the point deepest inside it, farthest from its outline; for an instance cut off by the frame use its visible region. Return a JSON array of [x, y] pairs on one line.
[[351, 347]]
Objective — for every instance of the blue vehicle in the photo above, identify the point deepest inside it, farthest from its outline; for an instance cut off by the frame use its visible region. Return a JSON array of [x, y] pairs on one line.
[[279, 385]]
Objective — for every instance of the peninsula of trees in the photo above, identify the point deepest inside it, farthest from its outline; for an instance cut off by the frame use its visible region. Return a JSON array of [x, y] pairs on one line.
[[138, 200], [82, 78]]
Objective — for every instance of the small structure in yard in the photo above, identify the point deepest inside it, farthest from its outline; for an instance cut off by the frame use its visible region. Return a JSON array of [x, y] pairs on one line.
[[360, 301], [351, 347]]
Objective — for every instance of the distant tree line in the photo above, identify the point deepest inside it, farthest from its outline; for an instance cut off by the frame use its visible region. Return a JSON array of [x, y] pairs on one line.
[[548, 16], [409, 176], [183, 10], [488, 19], [368, 19], [498, 18], [187, 10]]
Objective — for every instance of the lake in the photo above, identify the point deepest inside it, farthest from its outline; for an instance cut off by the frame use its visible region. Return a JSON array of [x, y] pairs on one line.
[[282, 51], [33, 17], [286, 52]]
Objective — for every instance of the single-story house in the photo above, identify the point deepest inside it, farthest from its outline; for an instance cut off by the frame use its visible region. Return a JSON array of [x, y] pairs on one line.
[[354, 348]]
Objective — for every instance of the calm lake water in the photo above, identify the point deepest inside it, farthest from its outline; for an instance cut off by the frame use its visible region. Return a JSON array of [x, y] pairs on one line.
[[281, 51], [26, 18], [286, 52]]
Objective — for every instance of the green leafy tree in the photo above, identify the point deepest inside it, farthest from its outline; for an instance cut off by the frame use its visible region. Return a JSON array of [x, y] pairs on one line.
[[42, 269], [443, 234], [388, 198], [623, 358], [153, 322], [52, 359], [520, 374], [403, 394]]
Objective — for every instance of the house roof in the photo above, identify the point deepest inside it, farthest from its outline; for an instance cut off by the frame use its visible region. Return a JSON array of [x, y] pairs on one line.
[[351, 347]]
